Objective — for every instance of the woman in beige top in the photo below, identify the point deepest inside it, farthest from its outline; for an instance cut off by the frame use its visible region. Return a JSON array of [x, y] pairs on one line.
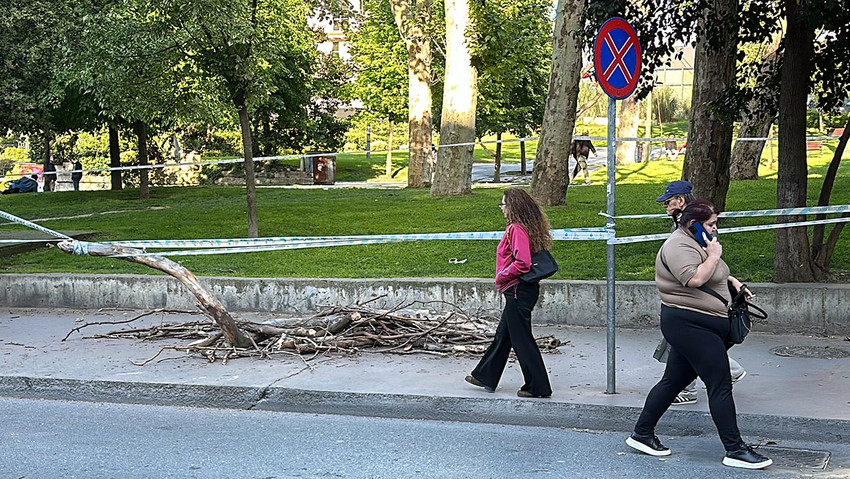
[[696, 324]]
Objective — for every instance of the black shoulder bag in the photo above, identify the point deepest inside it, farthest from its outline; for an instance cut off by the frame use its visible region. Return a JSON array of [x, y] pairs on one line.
[[739, 312], [543, 265]]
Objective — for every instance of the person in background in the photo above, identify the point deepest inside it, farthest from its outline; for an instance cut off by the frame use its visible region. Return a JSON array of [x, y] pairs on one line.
[[25, 184], [676, 196], [526, 232], [49, 175], [580, 149], [77, 175], [696, 325]]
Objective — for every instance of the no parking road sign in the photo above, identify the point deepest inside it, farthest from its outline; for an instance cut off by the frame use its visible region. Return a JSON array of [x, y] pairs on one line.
[[616, 58]]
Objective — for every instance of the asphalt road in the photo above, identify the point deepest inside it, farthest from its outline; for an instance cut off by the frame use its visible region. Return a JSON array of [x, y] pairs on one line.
[[54, 439]]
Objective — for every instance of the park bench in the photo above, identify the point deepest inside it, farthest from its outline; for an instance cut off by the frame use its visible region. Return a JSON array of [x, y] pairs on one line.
[[836, 132], [814, 146]]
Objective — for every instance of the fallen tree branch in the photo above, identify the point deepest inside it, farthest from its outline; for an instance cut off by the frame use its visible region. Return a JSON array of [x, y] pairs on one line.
[[347, 330]]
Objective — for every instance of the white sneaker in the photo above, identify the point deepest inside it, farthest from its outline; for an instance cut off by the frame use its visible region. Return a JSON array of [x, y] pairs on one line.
[[739, 377], [683, 399]]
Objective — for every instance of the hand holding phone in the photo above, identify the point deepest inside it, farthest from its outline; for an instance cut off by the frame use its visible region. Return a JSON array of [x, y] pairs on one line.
[[702, 236]]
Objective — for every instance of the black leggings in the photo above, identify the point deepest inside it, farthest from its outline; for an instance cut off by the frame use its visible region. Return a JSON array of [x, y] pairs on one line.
[[515, 331], [698, 349]]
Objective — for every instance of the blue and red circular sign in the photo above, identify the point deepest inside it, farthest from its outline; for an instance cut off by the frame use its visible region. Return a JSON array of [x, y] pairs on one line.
[[616, 58]]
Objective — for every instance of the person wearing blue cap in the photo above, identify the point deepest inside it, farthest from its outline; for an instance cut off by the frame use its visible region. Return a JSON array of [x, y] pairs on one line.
[[676, 196]]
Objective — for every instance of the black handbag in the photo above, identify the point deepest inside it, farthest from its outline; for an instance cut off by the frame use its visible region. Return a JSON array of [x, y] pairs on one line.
[[741, 316], [543, 265]]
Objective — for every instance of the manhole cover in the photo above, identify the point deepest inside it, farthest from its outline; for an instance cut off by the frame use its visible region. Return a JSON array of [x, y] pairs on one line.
[[796, 458], [818, 352]]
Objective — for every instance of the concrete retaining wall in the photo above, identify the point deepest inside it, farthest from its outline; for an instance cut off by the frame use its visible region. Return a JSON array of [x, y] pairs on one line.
[[811, 308]]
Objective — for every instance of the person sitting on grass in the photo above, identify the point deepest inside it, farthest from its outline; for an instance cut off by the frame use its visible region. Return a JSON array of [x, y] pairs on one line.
[[24, 184]]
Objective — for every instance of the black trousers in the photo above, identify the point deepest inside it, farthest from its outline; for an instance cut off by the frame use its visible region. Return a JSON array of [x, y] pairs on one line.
[[514, 331], [699, 349]]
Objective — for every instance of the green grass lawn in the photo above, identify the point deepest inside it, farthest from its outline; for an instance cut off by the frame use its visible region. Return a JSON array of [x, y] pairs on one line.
[[219, 212]]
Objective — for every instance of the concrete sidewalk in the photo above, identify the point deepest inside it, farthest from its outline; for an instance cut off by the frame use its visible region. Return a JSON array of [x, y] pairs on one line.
[[781, 398]]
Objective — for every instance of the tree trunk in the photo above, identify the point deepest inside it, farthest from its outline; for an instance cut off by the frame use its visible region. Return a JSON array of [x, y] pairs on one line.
[[497, 167], [115, 159], [523, 167], [142, 134], [822, 252], [206, 300], [250, 186], [419, 56], [792, 259], [389, 165], [709, 149], [647, 146], [47, 160], [628, 128], [549, 177], [746, 155], [460, 95]]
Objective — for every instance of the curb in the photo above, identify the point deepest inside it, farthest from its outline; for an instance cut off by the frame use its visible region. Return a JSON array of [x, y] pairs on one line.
[[519, 412]]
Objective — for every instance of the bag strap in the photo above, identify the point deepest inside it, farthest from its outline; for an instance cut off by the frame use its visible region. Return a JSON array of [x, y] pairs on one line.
[[703, 288]]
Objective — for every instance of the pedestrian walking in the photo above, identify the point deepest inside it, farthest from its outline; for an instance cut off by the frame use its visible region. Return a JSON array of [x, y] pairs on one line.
[[49, 175], [580, 149], [677, 195], [696, 325], [77, 175], [526, 232]]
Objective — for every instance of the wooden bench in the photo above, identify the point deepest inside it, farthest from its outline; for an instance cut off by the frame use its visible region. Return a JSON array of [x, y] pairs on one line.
[[836, 132], [814, 146]]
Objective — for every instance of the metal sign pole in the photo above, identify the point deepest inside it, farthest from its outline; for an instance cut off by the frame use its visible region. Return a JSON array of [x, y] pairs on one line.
[[616, 61], [612, 152]]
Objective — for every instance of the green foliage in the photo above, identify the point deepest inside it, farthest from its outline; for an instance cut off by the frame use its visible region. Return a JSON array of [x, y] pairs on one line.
[[213, 142], [380, 58], [14, 154], [10, 156], [31, 32], [355, 137], [511, 46], [669, 106]]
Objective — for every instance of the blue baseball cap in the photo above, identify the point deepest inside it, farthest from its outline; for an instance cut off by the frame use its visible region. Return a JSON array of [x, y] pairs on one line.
[[675, 188]]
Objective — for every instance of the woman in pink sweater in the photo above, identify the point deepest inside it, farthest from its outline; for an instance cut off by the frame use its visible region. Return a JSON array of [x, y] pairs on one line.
[[527, 232]]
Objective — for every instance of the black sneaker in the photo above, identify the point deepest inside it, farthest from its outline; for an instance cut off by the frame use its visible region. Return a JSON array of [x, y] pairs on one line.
[[746, 458], [475, 382], [648, 445]]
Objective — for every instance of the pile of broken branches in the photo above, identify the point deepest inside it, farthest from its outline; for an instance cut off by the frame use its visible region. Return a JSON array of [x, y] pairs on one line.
[[344, 329]]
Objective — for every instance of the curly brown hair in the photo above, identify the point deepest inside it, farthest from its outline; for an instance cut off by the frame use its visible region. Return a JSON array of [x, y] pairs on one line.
[[523, 210]]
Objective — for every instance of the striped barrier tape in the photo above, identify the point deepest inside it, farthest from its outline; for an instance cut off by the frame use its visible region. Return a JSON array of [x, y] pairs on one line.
[[32, 225], [580, 234], [16, 241], [248, 245], [740, 229], [275, 244], [806, 210]]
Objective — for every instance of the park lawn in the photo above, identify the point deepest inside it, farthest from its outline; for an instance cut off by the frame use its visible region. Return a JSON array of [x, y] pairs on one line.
[[219, 212]]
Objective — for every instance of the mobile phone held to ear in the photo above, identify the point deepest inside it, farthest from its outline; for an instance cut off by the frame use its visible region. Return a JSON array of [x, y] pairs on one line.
[[697, 230]]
